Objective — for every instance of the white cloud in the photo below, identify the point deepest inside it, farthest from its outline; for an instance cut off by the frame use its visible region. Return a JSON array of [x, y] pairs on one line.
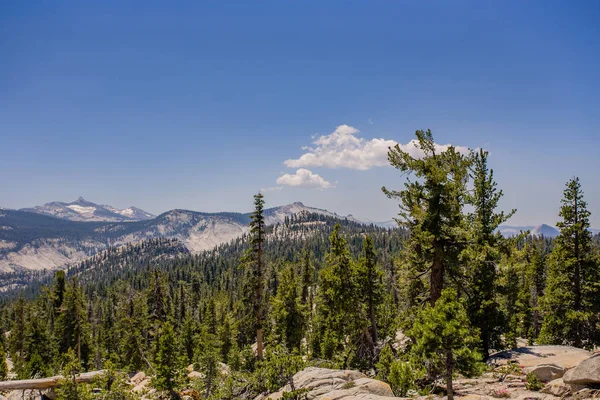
[[342, 149], [271, 189], [305, 179]]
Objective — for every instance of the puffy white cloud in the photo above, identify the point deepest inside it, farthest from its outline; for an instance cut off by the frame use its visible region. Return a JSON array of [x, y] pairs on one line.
[[342, 149], [305, 179]]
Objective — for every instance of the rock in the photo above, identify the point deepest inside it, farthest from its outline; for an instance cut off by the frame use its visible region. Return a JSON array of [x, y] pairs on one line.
[[224, 369], [138, 378], [195, 375], [23, 395], [529, 356], [331, 384], [140, 387], [586, 373], [556, 387], [400, 341], [546, 372], [586, 394]]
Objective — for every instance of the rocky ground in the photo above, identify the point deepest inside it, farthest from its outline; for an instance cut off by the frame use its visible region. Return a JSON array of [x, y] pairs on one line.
[[564, 372]]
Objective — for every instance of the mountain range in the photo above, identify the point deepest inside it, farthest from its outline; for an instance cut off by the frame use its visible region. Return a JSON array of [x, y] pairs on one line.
[[83, 210], [58, 234]]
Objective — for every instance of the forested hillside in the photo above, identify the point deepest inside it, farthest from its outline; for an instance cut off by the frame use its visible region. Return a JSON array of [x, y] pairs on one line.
[[412, 306]]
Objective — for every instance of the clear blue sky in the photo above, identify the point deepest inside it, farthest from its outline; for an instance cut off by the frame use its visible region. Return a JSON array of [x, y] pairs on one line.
[[198, 104]]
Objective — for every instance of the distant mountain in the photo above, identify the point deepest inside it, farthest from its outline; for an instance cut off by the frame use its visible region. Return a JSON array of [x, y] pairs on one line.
[[83, 210], [539, 230], [37, 241]]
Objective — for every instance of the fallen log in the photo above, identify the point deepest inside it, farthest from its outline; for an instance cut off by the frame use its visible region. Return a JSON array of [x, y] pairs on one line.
[[47, 383]]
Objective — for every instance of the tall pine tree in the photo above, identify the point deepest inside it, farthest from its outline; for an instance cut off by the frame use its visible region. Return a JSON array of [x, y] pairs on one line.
[[483, 253], [257, 240], [431, 208], [571, 302]]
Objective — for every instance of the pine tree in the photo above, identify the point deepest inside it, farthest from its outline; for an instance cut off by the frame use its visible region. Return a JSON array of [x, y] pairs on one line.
[[17, 339], [167, 360], [444, 341], [371, 286], [38, 352], [483, 253], [306, 276], [338, 299], [287, 311], [3, 364], [69, 388], [208, 353], [431, 208], [72, 323], [571, 302], [257, 240]]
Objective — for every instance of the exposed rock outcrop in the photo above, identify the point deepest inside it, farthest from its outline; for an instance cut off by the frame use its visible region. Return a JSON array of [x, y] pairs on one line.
[[529, 356], [332, 384], [546, 372], [586, 373]]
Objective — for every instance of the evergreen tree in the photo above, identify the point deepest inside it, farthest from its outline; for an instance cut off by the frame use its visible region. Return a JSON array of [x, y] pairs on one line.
[[257, 231], [338, 299], [17, 339], [69, 388], [307, 277], [167, 361], [208, 352], [3, 364], [483, 253], [571, 302], [73, 326], [431, 207], [287, 311], [38, 354], [371, 287], [444, 341]]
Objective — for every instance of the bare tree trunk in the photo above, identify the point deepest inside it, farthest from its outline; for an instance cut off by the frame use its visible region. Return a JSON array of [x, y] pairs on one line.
[[436, 278], [449, 367]]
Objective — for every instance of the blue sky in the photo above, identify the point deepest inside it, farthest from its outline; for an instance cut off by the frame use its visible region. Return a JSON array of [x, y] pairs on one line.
[[199, 104]]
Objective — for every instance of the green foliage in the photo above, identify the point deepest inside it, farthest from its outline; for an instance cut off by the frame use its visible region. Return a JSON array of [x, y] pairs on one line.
[[287, 311], [571, 302], [3, 364], [114, 385], [39, 354], [208, 355], [167, 364], [276, 370], [431, 207], [69, 389], [300, 394], [483, 254], [73, 325], [384, 364], [338, 300], [401, 378], [444, 341], [533, 382]]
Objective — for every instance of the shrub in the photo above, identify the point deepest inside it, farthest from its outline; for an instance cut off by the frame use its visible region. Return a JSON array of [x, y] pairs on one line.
[[401, 378], [533, 382], [348, 385]]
